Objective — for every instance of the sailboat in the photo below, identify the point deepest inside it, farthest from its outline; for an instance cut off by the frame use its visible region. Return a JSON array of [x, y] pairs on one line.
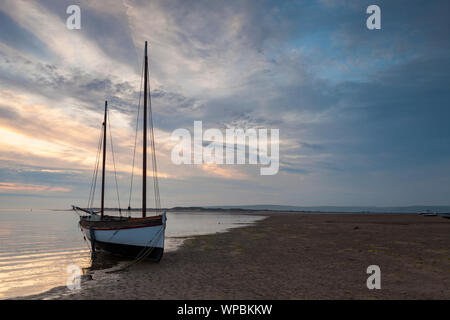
[[141, 237]]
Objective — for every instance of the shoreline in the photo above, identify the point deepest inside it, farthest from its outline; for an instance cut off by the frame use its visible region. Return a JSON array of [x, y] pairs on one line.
[[107, 264], [291, 256]]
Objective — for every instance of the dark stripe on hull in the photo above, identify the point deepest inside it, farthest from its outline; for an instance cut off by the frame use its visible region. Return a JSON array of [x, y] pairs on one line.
[[124, 227], [129, 250]]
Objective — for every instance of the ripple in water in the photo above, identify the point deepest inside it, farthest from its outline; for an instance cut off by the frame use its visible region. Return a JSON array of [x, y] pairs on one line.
[[36, 247]]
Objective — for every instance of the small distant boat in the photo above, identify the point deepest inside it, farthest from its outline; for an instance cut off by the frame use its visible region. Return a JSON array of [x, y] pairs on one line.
[[138, 238], [428, 213]]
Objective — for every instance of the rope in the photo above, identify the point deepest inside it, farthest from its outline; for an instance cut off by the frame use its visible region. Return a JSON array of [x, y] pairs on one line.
[[114, 164], [143, 254], [89, 246], [135, 141], [154, 164], [84, 237], [95, 173]]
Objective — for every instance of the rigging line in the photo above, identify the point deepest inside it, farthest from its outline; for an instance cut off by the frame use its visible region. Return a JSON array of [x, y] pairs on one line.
[[137, 57], [100, 146], [114, 162], [94, 174], [154, 164], [91, 204], [99, 149], [155, 167], [135, 139]]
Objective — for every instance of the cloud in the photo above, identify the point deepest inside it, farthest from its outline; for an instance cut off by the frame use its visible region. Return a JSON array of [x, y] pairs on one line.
[[351, 104], [7, 186]]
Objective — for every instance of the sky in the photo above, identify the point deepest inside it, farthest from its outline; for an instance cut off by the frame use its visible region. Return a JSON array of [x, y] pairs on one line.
[[363, 115]]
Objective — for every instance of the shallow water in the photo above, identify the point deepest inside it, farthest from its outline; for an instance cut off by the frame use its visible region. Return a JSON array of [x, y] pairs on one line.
[[37, 247]]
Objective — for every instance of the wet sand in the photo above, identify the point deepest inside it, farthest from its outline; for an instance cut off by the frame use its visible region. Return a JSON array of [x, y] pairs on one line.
[[292, 256]]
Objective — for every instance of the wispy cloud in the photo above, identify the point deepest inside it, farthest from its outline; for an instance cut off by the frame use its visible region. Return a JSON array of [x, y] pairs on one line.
[[8, 186], [351, 105]]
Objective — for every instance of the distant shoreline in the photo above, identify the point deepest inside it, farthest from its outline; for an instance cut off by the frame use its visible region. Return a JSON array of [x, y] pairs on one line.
[[413, 209], [291, 209]]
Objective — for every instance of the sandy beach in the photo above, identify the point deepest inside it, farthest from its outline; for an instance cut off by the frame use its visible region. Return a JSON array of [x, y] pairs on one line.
[[292, 256]]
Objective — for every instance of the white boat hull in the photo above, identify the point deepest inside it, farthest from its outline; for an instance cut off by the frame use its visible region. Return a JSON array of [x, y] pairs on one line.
[[131, 241], [141, 237]]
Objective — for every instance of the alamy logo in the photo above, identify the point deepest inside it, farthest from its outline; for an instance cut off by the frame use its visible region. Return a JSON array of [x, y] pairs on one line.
[[374, 20], [374, 280], [74, 279], [74, 20], [209, 146]]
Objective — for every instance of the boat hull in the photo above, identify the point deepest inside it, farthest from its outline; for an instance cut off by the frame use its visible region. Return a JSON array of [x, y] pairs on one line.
[[155, 253], [131, 239]]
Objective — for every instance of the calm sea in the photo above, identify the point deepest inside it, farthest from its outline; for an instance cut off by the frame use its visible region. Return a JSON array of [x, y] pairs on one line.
[[36, 247]]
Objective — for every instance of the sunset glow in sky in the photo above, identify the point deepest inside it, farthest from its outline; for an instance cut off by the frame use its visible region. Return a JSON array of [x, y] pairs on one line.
[[363, 114]]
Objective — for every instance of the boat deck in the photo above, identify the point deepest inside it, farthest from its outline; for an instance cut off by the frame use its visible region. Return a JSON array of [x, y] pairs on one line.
[[109, 222]]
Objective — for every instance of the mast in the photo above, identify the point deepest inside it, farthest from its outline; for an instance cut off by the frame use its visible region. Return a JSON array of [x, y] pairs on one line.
[[144, 152], [104, 161]]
